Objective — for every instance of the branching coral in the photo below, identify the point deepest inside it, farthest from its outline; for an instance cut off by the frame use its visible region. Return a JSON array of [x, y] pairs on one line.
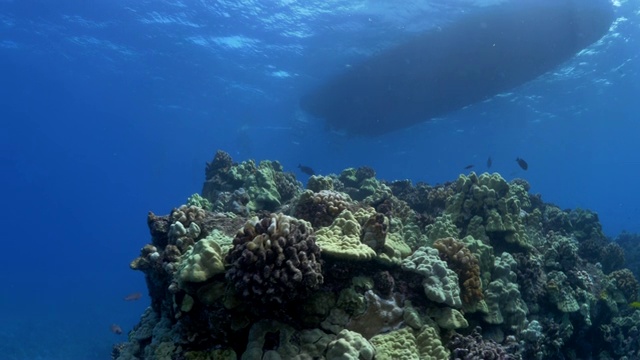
[[474, 347], [275, 260], [531, 278]]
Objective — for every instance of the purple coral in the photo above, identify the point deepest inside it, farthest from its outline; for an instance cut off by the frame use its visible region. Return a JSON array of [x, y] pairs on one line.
[[474, 347]]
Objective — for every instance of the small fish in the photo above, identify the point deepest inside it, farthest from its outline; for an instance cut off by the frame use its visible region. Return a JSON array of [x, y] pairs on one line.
[[489, 162], [133, 296], [635, 304], [523, 164], [307, 170], [468, 167], [116, 329]]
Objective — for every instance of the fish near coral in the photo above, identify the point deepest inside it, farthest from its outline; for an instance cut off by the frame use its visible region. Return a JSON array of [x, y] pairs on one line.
[[307, 170], [489, 162], [523, 164], [133, 296], [116, 329], [468, 167]]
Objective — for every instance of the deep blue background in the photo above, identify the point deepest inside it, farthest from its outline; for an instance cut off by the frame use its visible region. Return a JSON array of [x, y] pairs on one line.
[[109, 109]]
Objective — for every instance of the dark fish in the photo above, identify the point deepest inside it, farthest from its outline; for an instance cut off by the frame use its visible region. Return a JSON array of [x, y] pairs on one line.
[[116, 329], [523, 164], [468, 167], [489, 162], [307, 170], [133, 296], [488, 52]]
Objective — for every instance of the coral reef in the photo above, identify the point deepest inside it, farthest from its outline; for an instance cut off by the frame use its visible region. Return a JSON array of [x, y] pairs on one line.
[[355, 267]]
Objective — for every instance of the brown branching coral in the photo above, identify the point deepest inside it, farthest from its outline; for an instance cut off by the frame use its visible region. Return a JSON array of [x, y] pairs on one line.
[[465, 264], [275, 260], [221, 163]]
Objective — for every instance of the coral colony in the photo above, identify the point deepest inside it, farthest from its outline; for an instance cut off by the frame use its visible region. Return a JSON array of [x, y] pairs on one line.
[[352, 267]]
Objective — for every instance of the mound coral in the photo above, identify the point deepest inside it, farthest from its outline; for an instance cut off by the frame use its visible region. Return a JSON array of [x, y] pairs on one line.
[[487, 208], [342, 239], [321, 208], [439, 282], [465, 264], [275, 260], [265, 185]]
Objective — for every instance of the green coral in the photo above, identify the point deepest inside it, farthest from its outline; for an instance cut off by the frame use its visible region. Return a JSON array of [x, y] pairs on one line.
[[350, 345], [342, 239], [505, 304], [405, 344], [430, 346], [442, 228], [262, 188], [317, 183], [561, 293], [448, 318], [395, 249], [199, 201], [203, 261], [396, 345], [487, 208], [439, 282]]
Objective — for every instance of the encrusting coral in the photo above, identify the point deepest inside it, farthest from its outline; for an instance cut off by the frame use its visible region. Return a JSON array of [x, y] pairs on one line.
[[359, 268]]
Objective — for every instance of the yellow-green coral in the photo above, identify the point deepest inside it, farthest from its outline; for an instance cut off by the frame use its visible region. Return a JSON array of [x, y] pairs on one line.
[[350, 345], [429, 345], [405, 344], [200, 263], [396, 345], [485, 207], [443, 227], [448, 318], [439, 282], [342, 239], [317, 183], [199, 201]]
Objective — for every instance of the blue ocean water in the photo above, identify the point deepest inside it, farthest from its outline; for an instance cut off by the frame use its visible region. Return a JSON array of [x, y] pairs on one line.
[[110, 109]]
